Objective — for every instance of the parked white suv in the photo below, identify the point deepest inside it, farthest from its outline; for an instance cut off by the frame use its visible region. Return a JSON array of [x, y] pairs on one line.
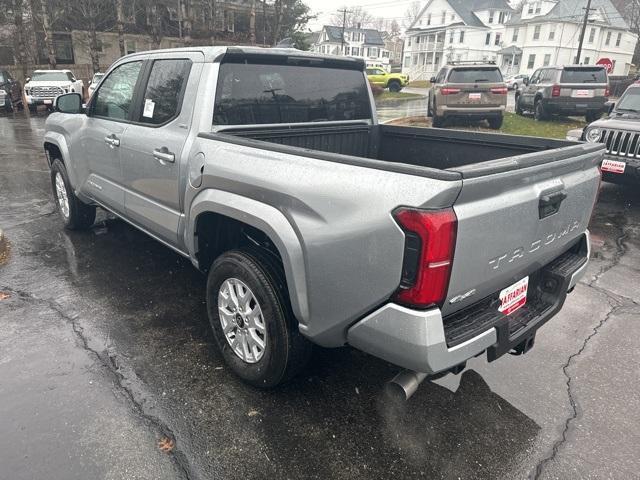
[[45, 85]]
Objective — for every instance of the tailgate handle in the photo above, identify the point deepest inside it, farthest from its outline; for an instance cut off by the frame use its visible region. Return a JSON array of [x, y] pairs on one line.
[[550, 204]]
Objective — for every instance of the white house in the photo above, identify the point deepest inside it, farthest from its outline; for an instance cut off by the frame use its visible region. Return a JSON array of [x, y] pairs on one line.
[[547, 32], [366, 43], [454, 30]]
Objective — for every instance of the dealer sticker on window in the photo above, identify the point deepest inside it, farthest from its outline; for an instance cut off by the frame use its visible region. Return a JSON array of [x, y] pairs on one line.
[[613, 166], [514, 297]]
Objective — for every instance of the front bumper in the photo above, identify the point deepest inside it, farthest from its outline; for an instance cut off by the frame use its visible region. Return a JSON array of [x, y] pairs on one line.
[[631, 175], [49, 101], [421, 340]]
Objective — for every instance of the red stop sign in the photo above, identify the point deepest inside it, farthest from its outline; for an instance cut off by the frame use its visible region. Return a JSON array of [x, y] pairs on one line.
[[606, 63]]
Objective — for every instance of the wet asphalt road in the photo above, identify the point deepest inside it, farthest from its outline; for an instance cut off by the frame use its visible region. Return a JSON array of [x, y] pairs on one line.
[[105, 351]]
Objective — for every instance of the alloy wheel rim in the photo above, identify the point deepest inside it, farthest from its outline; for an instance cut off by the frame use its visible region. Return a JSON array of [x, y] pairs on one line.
[[61, 195], [242, 320]]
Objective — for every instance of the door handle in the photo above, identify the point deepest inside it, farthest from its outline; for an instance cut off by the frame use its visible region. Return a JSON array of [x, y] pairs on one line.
[[112, 141], [163, 155]]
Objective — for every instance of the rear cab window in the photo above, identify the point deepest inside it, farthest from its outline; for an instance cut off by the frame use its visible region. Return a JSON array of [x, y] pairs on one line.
[[475, 75], [583, 75], [164, 91], [264, 93]]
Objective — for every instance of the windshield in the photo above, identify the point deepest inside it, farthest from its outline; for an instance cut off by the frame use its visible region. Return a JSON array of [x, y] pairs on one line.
[[583, 75], [50, 77], [475, 75], [259, 94], [630, 101]]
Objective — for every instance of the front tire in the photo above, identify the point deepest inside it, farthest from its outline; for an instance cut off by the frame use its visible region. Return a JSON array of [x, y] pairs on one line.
[[519, 109], [251, 318], [75, 214]]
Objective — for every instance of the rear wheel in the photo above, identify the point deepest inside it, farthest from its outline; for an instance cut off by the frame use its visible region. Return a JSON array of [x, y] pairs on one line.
[[592, 116], [75, 214], [495, 122], [394, 86], [519, 110], [251, 318], [539, 112]]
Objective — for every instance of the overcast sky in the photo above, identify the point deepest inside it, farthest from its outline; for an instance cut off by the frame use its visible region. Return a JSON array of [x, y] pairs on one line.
[[378, 8]]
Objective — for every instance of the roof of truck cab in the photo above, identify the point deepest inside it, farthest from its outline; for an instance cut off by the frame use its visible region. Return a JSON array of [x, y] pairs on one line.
[[215, 53]]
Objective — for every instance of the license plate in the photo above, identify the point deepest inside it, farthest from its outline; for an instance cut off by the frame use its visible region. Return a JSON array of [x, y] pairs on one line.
[[514, 297], [582, 93], [475, 96], [613, 166], [48, 102]]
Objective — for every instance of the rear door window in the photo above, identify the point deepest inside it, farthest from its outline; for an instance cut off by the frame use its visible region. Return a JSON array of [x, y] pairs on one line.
[[164, 91], [249, 94], [475, 75], [583, 75]]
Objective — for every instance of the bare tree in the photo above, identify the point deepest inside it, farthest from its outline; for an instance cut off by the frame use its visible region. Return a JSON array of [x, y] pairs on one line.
[[120, 26], [91, 16], [355, 16], [41, 12], [19, 39], [411, 14]]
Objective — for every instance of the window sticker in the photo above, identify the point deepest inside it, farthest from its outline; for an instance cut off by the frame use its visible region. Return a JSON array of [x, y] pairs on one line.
[[149, 106]]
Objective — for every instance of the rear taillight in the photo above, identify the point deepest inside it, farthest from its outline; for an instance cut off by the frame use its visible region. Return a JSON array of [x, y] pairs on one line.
[[555, 91], [449, 91], [499, 90], [430, 237], [606, 92]]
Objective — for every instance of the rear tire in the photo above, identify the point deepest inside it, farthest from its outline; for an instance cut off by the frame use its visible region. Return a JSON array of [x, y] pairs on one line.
[[592, 116], [75, 214], [539, 113], [284, 351], [519, 110], [496, 122], [394, 86]]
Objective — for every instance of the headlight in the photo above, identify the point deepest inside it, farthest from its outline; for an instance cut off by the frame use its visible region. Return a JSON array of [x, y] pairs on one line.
[[593, 135]]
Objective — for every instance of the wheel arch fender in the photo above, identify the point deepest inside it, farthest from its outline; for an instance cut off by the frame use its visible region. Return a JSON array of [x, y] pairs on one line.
[[56, 143], [272, 222]]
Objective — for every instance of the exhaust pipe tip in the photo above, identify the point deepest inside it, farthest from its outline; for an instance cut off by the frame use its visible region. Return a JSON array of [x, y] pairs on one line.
[[404, 385]]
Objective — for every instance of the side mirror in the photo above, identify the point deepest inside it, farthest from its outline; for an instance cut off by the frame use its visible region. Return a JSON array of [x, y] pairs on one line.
[[27, 80], [525, 81], [69, 103], [432, 80], [611, 107]]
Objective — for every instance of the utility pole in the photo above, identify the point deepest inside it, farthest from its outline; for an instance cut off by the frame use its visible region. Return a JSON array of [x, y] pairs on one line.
[[344, 12], [584, 29]]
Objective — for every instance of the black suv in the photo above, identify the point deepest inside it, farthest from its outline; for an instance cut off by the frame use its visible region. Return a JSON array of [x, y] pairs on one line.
[[568, 90], [10, 92]]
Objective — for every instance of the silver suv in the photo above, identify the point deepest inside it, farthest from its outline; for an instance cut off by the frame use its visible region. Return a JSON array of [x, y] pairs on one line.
[[568, 90], [468, 90]]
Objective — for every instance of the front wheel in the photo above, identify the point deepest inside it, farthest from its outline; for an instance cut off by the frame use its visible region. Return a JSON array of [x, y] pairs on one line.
[[251, 318], [75, 214], [519, 109]]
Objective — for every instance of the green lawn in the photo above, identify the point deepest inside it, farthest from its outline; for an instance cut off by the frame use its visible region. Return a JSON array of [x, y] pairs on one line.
[[513, 125], [392, 96], [419, 84]]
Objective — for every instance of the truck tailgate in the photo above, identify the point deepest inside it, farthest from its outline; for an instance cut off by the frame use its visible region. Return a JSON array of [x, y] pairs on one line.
[[516, 215]]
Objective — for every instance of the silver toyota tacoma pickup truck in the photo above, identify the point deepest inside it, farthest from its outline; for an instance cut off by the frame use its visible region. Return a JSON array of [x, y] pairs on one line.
[[267, 168]]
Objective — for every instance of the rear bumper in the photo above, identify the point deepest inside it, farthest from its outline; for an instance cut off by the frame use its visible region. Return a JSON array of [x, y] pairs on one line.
[[471, 112], [574, 107], [425, 342]]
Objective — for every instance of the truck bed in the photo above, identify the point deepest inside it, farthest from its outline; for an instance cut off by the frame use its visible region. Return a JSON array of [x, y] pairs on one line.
[[397, 147]]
